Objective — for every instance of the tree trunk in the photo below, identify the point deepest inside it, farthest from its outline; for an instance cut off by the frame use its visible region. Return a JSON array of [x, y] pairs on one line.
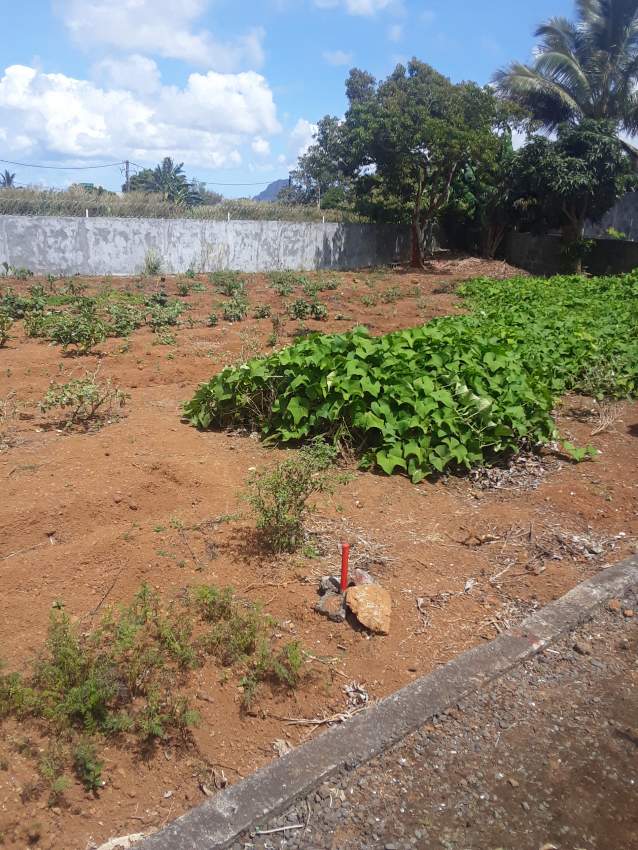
[[572, 237], [492, 237]]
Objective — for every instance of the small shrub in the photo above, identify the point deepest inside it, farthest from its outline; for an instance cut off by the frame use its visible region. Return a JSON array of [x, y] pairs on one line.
[[318, 311], [168, 315], [124, 319], [5, 326], [612, 233], [87, 766], [213, 320], [262, 311], [279, 497], [236, 309], [83, 331], [152, 263], [370, 300], [283, 283], [157, 299], [328, 284], [190, 273], [18, 273], [299, 309], [164, 337], [13, 305], [84, 401], [391, 295], [228, 283], [38, 325], [311, 287], [183, 289]]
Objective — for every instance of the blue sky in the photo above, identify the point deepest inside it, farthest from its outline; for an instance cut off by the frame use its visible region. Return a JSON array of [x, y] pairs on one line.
[[231, 87]]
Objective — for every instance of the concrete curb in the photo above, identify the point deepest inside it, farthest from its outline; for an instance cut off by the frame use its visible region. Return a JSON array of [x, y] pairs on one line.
[[217, 822]]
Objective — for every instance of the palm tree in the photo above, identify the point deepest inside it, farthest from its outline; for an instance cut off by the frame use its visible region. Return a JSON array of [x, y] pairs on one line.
[[586, 69], [7, 180]]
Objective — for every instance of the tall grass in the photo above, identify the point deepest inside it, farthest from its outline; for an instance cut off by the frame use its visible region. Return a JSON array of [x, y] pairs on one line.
[[142, 205]]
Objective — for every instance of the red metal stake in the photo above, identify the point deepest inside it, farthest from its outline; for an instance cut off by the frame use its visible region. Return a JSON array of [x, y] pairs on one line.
[[345, 557]]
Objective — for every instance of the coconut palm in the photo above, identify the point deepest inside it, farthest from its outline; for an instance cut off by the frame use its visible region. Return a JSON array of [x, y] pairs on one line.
[[582, 69], [7, 179]]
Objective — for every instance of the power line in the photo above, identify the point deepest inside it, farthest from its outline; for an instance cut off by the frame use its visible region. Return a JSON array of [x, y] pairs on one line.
[[212, 182], [119, 165], [62, 167]]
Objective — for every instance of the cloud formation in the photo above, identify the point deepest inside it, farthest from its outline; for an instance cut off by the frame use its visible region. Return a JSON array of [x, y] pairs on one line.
[[357, 7], [337, 57], [159, 28], [204, 123]]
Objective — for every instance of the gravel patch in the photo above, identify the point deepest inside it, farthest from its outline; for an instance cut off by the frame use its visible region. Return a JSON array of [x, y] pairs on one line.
[[546, 756]]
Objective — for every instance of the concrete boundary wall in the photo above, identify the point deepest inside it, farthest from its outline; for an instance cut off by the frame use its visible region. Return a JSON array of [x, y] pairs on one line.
[[96, 246]]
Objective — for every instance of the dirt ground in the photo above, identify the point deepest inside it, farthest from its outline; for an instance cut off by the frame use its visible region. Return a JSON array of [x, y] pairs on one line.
[[86, 518]]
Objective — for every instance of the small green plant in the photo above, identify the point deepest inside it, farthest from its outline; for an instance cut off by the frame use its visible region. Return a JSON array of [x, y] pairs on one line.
[[612, 233], [299, 309], [213, 320], [87, 766], [284, 282], [84, 401], [183, 289], [236, 309], [262, 311], [13, 305], [124, 319], [152, 263], [17, 273], [190, 273], [391, 295], [328, 284], [38, 325], [279, 497], [167, 315], [228, 283], [370, 300], [311, 287], [5, 326], [83, 331], [164, 337], [318, 311]]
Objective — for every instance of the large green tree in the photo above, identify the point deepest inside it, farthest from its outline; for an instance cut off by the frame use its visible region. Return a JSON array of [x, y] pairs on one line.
[[319, 177], [565, 182], [586, 68], [405, 139]]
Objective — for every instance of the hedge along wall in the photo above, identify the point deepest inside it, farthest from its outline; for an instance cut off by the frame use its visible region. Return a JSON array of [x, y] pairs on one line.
[[95, 246]]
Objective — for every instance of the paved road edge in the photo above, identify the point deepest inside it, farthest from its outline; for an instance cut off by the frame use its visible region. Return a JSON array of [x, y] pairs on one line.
[[217, 822]]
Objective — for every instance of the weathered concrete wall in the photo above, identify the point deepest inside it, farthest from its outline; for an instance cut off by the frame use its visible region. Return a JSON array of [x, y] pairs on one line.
[[542, 255], [119, 245]]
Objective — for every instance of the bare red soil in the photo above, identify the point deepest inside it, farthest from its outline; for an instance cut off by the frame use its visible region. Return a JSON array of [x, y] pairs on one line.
[[79, 520]]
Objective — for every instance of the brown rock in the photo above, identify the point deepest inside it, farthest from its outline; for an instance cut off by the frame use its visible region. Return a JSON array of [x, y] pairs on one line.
[[629, 613], [332, 606], [614, 605], [372, 606]]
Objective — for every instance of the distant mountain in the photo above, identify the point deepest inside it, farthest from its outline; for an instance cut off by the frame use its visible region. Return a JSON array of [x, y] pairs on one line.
[[270, 193]]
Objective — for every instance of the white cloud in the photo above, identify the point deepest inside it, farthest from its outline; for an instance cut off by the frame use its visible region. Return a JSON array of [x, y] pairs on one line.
[[205, 123], [302, 136], [136, 73], [261, 146], [395, 33], [158, 27], [337, 57], [356, 7]]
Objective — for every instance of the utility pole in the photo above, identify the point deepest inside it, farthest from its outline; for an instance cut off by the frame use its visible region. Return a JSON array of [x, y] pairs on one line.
[[127, 166], [319, 195]]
